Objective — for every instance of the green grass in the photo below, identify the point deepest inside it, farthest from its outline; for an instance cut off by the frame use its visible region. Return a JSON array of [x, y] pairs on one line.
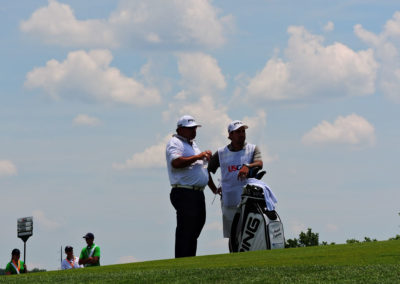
[[373, 262]]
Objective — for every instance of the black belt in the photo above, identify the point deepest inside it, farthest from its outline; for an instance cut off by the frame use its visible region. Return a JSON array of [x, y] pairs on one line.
[[188, 187]]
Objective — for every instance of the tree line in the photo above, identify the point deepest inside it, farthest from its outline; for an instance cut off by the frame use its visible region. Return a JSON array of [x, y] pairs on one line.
[[309, 238]]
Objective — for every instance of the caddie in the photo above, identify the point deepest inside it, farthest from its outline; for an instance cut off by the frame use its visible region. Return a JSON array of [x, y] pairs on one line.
[[235, 161], [90, 255], [188, 177]]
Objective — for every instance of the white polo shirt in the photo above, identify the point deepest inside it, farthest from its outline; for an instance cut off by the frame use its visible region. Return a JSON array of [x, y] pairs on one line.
[[65, 264], [193, 175]]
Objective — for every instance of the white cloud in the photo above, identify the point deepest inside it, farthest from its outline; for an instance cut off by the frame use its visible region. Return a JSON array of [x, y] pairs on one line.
[[126, 259], [314, 70], [200, 73], [135, 23], [57, 24], [7, 168], [88, 76], [386, 46], [151, 157], [352, 129], [84, 119], [330, 26], [40, 218]]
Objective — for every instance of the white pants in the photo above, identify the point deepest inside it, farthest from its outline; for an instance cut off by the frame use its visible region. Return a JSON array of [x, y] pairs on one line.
[[227, 217]]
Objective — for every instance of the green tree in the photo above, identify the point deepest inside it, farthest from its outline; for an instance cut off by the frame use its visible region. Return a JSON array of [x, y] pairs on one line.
[[352, 241], [37, 270], [396, 238], [292, 243], [309, 238]]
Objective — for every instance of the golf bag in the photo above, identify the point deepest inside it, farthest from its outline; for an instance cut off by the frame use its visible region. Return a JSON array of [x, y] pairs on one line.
[[254, 227]]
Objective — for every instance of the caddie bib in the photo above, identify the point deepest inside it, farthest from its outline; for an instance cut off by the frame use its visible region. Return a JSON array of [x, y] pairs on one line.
[[230, 163]]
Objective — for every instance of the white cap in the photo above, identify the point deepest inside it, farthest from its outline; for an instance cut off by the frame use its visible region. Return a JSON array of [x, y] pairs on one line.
[[187, 121], [235, 125]]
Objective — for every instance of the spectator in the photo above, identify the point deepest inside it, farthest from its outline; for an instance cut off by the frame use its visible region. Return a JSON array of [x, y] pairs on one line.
[[71, 261], [90, 255], [15, 266]]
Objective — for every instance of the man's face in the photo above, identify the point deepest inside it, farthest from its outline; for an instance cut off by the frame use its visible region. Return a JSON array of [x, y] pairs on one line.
[[238, 136], [89, 241], [70, 254], [15, 257], [188, 132]]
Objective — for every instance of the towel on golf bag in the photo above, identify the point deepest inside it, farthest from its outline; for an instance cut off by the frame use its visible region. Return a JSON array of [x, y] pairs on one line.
[[269, 196], [254, 226]]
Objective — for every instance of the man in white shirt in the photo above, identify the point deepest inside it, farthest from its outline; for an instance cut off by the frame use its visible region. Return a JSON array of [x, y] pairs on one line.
[[188, 178], [235, 161], [71, 261]]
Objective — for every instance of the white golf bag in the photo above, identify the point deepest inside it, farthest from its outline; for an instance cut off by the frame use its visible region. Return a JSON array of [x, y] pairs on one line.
[[254, 227]]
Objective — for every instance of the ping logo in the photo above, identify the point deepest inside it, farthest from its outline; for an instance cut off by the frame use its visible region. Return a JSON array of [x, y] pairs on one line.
[[190, 120], [249, 233]]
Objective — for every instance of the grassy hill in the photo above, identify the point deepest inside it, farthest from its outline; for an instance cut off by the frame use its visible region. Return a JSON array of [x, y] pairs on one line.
[[373, 262]]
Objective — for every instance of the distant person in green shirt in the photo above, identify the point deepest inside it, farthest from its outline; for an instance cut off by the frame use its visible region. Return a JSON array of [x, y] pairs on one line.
[[90, 255], [15, 266]]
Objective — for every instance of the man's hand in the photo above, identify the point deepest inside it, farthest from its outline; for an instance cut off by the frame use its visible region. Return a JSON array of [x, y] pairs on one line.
[[244, 171], [183, 162], [206, 155]]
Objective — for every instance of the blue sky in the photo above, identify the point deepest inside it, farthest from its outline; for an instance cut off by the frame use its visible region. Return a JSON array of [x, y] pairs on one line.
[[91, 90]]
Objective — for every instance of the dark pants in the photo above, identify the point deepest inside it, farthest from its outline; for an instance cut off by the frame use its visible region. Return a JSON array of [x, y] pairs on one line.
[[190, 216]]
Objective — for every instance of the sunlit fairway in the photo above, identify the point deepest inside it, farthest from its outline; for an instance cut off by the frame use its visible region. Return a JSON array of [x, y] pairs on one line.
[[371, 262]]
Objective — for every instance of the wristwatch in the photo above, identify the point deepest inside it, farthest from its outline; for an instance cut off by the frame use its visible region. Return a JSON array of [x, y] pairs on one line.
[[247, 165]]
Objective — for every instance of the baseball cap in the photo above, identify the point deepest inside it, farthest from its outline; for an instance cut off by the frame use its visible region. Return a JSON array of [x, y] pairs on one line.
[[187, 121], [88, 236], [15, 252], [68, 248], [235, 125]]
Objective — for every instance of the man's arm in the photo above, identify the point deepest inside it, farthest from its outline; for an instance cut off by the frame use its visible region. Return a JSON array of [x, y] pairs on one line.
[[94, 260], [89, 260], [96, 255], [63, 265], [244, 171], [8, 269], [183, 162], [81, 259], [257, 162]]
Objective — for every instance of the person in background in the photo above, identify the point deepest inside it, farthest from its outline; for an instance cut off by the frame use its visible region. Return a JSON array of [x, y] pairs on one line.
[[71, 261], [15, 266], [90, 255]]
